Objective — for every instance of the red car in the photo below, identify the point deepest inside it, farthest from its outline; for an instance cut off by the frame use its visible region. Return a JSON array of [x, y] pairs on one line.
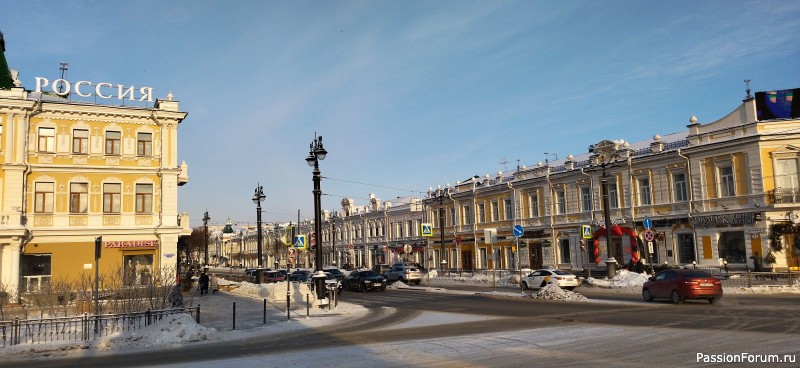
[[682, 284]]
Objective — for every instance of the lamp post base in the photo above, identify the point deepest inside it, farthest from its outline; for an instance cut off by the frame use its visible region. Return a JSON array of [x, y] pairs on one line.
[[611, 263]]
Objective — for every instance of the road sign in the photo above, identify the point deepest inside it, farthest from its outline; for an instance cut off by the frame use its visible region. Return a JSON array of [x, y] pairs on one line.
[[649, 235], [407, 248], [518, 230], [350, 246], [427, 229], [650, 247], [299, 242], [648, 223], [586, 231]]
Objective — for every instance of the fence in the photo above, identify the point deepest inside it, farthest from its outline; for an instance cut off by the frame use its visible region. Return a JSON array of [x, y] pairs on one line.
[[81, 328], [750, 278]]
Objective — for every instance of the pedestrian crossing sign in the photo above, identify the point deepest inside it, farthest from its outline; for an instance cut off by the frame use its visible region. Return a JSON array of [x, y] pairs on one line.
[[300, 242], [586, 230], [427, 229]]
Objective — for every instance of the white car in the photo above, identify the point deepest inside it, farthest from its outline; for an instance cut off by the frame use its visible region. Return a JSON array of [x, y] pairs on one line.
[[539, 278]]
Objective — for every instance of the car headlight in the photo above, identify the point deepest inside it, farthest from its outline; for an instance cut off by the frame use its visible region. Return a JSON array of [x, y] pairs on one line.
[[367, 282]]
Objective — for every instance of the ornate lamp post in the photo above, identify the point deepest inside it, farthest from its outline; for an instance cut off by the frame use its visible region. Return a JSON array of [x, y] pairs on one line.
[[441, 195], [258, 197], [606, 154], [316, 153], [333, 219], [205, 238]]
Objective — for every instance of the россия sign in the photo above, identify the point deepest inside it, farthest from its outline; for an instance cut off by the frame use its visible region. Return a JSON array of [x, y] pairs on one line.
[[86, 89]]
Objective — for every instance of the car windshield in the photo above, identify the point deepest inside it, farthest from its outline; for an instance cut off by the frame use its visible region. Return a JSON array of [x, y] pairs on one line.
[[693, 274], [560, 272], [334, 271]]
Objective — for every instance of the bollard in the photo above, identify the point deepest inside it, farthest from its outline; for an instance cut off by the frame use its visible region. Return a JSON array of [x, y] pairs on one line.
[[749, 283], [234, 316], [288, 316], [308, 306], [264, 323], [197, 319], [790, 277]]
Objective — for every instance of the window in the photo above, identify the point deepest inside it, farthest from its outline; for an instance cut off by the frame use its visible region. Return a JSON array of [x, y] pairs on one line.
[[679, 186], [509, 209], [563, 248], [80, 141], [78, 197], [561, 201], [495, 211], [644, 191], [467, 215], [43, 197], [482, 258], [726, 183], [47, 139], [786, 174], [113, 144], [534, 204], [481, 213], [613, 200], [112, 193], [144, 144], [586, 199], [144, 198], [731, 247], [453, 216]]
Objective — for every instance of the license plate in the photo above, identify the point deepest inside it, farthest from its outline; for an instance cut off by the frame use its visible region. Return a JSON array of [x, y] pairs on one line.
[[706, 284]]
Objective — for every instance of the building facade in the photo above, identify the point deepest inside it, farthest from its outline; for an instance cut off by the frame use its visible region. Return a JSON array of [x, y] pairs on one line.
[[74, 171]]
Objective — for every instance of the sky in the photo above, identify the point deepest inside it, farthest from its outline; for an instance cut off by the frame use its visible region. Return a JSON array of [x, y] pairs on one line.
[[407, 94]]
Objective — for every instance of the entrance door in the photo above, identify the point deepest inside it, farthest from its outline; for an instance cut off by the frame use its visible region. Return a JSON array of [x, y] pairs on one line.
[[536, 256], [686, 248], [466, 259]]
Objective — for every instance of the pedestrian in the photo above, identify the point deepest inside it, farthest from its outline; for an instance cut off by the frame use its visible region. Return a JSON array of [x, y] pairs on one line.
[[757, 262], [203, 282]]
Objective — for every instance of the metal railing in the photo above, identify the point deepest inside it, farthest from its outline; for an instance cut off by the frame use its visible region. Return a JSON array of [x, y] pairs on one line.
[[81, 328]]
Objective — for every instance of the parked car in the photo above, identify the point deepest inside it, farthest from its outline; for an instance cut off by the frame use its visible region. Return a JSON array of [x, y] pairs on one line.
[[331, 282], [274, 276], [337, 273], [404, 273], [381, 268], [300, 276], [540, 278], [679, 285], [364, 280]]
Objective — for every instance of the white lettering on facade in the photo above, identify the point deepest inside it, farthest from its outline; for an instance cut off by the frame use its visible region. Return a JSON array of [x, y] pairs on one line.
[[100, 89], [131, 243]]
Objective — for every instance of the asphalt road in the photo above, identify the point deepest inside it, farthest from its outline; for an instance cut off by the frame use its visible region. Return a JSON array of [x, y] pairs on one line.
[[662, 331]]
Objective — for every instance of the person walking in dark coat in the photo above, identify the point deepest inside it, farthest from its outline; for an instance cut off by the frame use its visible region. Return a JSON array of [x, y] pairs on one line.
[[203, 283]]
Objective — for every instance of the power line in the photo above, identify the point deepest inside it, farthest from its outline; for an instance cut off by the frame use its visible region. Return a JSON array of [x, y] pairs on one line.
[[372, 185]]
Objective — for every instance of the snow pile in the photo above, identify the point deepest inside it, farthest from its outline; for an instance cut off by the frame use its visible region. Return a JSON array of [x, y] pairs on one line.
[[508, 279], [397, 285], [553, 292], [761, 289], [624, 279], [172, 330]]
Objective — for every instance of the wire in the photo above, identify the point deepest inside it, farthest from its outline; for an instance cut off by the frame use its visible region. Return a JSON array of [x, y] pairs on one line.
[[373, 185]]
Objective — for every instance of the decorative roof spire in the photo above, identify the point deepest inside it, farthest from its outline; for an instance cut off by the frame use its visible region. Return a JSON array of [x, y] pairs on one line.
[[6, 82]]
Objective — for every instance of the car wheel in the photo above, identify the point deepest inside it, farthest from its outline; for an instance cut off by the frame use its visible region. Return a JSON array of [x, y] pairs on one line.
[[646, 295], [711, 300], [363, 288], [676, 297], [524, 285], [570, 288]]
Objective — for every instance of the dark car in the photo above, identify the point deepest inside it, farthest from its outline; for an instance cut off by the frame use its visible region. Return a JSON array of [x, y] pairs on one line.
[[337, 273], [300, 276], [381, 268], [682, 284], [364, 280]]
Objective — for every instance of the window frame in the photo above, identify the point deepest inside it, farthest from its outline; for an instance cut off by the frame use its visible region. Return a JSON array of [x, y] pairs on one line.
[[727, 180], [680, 188], [561, 201], [81, 142], [534, 199], [144, 147], [645, 194], [46, 140], [586, 198], [112, 144], [509, 206], [142, 199], [112, 200], [44, 198], [78, 199]]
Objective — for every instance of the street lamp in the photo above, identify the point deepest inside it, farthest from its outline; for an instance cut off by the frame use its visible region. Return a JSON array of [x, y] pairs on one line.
[[333, 219], [258, 197], [605, 154], [205, 238], [440, 195], [316, 153]]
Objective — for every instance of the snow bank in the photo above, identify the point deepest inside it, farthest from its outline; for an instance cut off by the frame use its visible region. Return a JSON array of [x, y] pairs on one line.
[[172, 330], [397, 285], [761, 289], [624, 279], [553, 292]]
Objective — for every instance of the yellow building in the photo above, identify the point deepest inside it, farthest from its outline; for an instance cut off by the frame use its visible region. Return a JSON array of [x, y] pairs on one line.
[[75, 170]]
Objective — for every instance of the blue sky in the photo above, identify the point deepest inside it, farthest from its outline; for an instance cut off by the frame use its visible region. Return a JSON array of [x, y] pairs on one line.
[[407, 94]]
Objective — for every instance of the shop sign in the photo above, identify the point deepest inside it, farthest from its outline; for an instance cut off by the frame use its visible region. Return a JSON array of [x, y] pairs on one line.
[[613, 222], [104, 90], [733, 219], [131, 244]]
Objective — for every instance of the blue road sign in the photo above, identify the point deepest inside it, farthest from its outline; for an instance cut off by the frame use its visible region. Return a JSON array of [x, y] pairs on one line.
[[648, 223], [518, 230]]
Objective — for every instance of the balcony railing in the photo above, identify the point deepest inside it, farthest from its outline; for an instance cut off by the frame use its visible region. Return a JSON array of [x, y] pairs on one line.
[[786, 195]]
